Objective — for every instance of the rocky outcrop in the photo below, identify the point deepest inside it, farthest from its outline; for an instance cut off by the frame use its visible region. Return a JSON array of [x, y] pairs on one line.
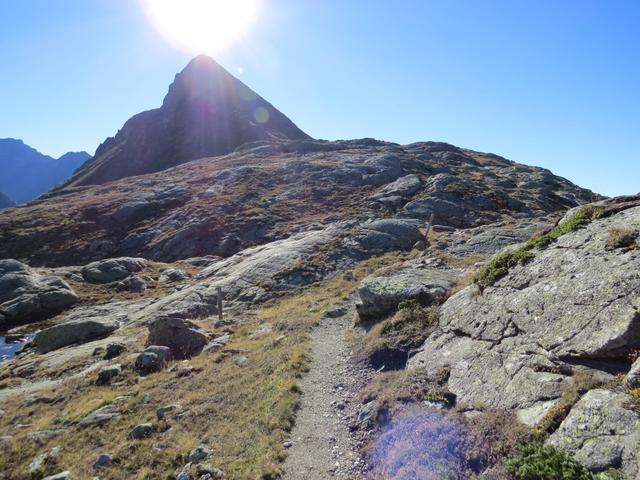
[[112, 269], [381, 295], [183, 337], [69, 333], [27, 296], [602, 431], [572, 308]]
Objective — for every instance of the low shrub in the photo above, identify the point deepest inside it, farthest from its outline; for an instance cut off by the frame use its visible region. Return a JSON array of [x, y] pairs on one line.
[[539, 462], [621, 237]]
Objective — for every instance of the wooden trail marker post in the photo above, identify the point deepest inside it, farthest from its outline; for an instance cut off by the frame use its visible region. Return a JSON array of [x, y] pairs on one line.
[[429, 223], [219, 303]]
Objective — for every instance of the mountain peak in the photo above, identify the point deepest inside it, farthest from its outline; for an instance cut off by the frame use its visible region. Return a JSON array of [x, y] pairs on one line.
[[207, 112]]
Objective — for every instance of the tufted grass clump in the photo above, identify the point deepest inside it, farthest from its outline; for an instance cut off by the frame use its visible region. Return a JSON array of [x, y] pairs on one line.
[[621, 237], [539, 462], [500, 265]]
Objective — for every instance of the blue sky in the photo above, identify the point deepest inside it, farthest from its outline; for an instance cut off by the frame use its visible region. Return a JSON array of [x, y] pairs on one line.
[[553, 83]]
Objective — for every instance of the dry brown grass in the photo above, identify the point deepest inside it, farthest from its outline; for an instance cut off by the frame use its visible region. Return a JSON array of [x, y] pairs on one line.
[[621, 237], [243, 412]]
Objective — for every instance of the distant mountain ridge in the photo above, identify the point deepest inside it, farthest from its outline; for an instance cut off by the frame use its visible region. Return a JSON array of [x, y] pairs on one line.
[[206, 112], [25, 173], [6, 201]]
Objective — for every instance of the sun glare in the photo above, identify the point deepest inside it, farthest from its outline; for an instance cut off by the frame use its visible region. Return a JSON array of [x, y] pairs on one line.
[[203, 26]]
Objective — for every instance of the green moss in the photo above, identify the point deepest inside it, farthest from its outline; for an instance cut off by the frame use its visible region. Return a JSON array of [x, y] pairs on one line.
[[500, 265]]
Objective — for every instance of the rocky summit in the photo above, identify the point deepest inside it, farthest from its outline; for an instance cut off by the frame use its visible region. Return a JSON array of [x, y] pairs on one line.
[[206, 112], [217, 295]]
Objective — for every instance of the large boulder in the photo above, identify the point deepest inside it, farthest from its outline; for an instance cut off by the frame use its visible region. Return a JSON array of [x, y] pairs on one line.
[[183, 337], [112, 269], [389, 234], [517, 344], [381, 295], [602, 432], [27, 296], [75, 331]]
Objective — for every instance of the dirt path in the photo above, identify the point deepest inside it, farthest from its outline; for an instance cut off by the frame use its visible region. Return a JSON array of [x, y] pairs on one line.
[[322, 446]]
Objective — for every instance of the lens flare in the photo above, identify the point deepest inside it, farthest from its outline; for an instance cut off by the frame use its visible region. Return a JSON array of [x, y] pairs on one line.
[[203, 26]]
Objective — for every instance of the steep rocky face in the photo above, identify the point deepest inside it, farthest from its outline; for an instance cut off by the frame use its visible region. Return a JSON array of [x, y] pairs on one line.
[[528, 341], [206, 112], [26, 173], [269, 191]]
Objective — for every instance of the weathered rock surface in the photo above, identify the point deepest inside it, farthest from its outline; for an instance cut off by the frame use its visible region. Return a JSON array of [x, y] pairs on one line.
[[389, 234], [100, 416], [183, 337], [112, 269], [573, 307], [75, 331], [380, 296], [602, 432], [27, 296]]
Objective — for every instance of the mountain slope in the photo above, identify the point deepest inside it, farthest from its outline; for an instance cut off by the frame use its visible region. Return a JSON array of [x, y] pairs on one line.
[[207, 112], [269, 191], [26, 173]]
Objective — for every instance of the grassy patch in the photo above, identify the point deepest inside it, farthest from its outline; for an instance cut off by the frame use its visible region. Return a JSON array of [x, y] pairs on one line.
[[407, 329], [244, 413], [500, 265], [538, 462]]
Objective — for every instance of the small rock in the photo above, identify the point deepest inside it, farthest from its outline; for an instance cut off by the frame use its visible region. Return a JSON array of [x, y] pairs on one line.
[[153, 359], [261, 331], [209, 471], [44, 436], [42, 459], [287, 444], [66, 475], [161, 412], [100, 416], [199, 453], [114, 350], [141, 431], [240, 360], [365, 415], [172, 275], [102, 461], [106, 374], [335, 312], [133, 284], [632, 379]]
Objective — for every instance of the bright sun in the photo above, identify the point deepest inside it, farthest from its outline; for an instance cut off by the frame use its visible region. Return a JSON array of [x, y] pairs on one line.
[[203, 26]]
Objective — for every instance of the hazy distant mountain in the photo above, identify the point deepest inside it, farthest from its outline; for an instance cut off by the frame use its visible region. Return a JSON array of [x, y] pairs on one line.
[[26, 173], [207, 112], [6, 201]]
